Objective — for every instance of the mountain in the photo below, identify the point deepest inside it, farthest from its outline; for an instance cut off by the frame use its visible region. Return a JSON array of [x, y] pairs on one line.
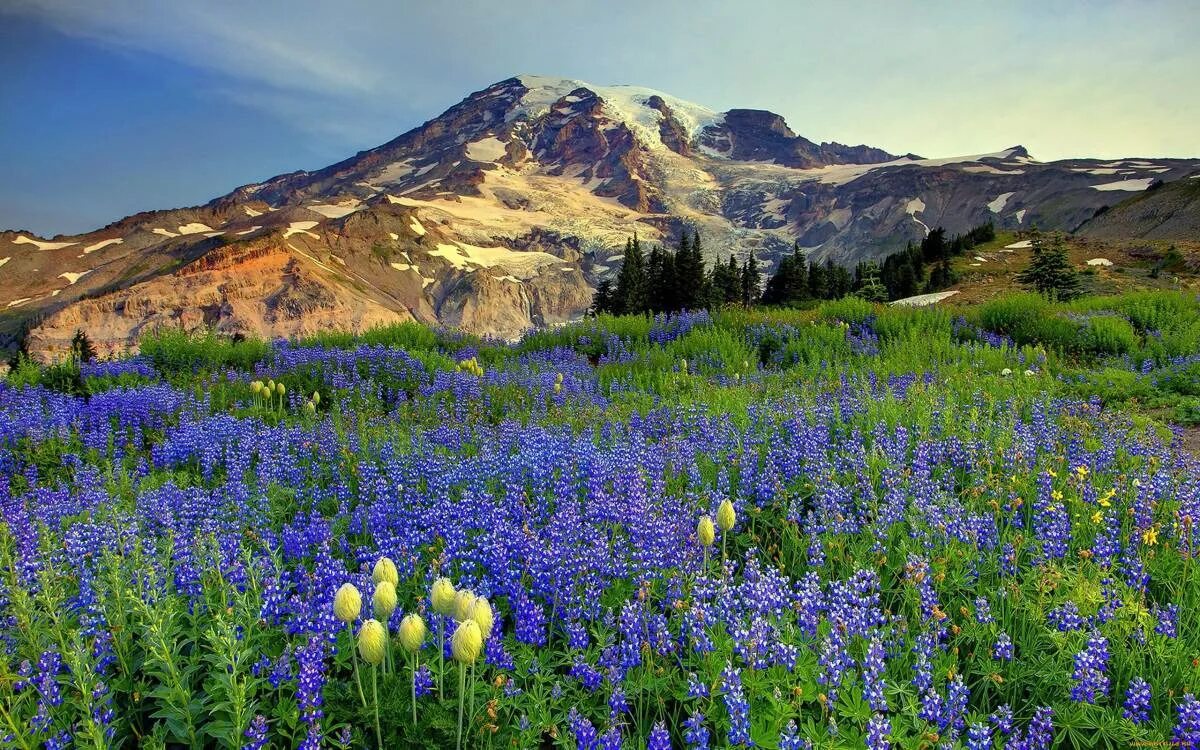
[[503, 213], [1165, 211]]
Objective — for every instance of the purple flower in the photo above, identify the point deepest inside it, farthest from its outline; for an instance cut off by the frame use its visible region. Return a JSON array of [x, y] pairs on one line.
[[1090, 675], [737, 706], [659, 739], [256, 734], [1003, 650], [1137, 701], [1187, 727], [696, 733], [878, 731]]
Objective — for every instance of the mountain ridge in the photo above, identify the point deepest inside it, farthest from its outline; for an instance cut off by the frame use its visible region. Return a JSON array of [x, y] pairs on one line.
[[505, 211]]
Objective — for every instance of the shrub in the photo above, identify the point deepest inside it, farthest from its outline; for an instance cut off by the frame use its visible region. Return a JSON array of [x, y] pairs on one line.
[[1108, 334]]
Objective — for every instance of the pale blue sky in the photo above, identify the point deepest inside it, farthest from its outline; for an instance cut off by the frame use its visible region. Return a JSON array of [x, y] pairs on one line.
[[115, 107]]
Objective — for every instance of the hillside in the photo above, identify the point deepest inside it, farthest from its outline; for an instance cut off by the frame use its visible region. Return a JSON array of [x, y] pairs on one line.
[[505, 211]]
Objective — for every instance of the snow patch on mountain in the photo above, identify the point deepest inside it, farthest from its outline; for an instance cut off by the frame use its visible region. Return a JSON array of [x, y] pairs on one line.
[[301, 227], [194, 228], [336, 210], [73, 277], [486, 150], [1134, 184], [102, 244], [996, 205], [915, 206], [23, 240]]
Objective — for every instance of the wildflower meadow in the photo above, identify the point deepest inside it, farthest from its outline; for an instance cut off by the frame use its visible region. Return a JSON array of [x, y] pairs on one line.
[[842, 527]]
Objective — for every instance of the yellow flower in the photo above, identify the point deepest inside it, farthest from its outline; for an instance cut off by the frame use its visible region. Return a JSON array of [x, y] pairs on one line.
[[1097, 517], [1081, 470], [384, 600], [467, 642], [372, 642], [1056, 495], [464, 600], [347, 603], [484, 617], [725, 515], [1150, 536], [1052, 472], [706, 532], [441, 596], [412, 632], [385, 570]]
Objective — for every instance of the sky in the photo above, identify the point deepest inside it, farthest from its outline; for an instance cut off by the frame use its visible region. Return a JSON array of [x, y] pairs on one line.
[[109, 108]]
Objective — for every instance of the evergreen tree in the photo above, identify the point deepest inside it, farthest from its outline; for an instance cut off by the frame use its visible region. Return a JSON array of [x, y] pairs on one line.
[[933, 247], [789, 283], [630, 297], [817, 284], [81, 348], [751, 280], [725, 282], [867, 284], [660, 280], [1050, 272], [602, 300], [689, 272]]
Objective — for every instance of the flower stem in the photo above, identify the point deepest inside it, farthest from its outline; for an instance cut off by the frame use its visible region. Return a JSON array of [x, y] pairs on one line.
[[462, 687], [357, 680], [375, 690]]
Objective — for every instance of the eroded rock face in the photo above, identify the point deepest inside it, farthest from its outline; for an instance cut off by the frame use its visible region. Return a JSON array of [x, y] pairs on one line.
[[506, 210]]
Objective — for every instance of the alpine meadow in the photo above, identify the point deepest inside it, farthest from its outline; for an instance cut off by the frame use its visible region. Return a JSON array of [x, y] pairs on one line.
[[588, 417]]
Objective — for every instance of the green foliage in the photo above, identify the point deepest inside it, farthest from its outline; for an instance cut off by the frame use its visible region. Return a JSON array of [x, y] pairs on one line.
[[176, 351], [1050, 272]]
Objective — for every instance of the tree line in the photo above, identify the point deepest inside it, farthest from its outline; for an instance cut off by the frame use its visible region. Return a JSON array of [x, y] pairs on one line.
[[668, 280]]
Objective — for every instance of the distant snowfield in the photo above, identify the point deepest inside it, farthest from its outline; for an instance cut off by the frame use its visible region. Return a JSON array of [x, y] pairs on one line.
[[1019, 245], [164, 232], [254, 228], [1099, 262], [301, 227], [102, 244], [194, 228], [5, 260], [487, 150], [23, 240], [523, 263], [251, 212], [997, 204], [336, 210], [915, 206], [924, 299], [1134, 184], [1020, 216], [73, 277], [416, 227]]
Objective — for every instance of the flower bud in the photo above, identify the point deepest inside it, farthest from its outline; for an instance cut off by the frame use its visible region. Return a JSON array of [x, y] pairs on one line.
[[280, 389], [347, 603], [441, 596], [467, 642], [383, 601], [316, 398], [385, 570], [706, 532], [372, 642], [310, 407], [725, 515], [464, 601], [484, 617], [412, 632]]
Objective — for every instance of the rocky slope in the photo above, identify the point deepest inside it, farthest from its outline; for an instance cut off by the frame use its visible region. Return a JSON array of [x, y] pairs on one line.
[[503, 212]]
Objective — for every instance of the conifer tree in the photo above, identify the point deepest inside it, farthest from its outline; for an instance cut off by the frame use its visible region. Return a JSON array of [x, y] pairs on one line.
[[751, 280], [817, 283], [1050, 272]]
